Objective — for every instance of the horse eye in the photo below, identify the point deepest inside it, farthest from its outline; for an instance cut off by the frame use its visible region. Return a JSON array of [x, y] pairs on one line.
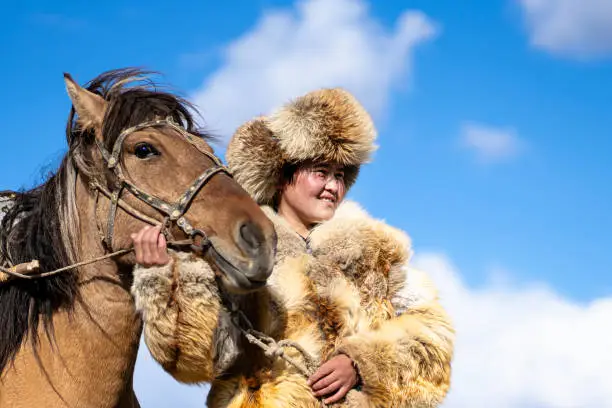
[[145, 151]]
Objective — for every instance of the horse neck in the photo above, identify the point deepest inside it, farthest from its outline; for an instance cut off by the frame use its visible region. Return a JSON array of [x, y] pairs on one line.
[[92, 360]]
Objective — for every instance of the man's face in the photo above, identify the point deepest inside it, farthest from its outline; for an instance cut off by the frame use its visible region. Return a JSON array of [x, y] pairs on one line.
[[316, 192]]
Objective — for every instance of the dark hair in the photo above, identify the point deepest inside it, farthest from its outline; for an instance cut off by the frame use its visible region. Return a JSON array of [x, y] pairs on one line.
[[287, 177]]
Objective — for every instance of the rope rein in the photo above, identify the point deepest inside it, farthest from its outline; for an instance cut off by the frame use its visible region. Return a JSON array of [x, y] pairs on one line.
[[28, 270], [271, 347]]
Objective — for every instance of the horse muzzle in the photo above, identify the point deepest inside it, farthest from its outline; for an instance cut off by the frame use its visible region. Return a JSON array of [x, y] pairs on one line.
[[251, 270]]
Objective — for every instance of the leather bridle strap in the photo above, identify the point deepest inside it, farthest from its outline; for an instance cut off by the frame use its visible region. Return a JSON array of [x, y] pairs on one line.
[[175, 211], [112, 159], [112, 212]]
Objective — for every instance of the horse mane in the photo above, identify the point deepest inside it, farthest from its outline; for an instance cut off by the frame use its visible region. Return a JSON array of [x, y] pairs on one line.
[[42, 223]]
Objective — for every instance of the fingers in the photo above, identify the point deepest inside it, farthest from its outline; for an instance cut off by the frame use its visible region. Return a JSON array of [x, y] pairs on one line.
[[338, 395], [324, 382], [138, 250], [323, 371], [150, 247], [336, 376], [162, 253], [334, 386], [147, 254], [156, 244]]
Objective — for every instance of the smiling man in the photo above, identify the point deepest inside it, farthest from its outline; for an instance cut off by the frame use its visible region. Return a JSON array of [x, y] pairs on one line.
[[376, 326]]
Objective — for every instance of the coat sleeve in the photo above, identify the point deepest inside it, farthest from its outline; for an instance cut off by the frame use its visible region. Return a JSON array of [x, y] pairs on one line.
[[406, 361], [180, 306]]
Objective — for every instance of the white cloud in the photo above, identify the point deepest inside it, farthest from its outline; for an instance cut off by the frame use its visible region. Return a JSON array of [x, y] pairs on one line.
[[575, 28], [521, 347], [318, 43], [490, 143]]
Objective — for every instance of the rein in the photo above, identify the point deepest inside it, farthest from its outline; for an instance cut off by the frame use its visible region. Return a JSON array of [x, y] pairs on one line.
[[27, 270], [271, 347]]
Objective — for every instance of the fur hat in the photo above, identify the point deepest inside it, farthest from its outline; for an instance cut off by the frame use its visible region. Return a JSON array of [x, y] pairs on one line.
[[327, 125]]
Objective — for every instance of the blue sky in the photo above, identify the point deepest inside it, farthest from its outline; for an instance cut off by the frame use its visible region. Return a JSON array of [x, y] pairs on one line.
[[543, 215], [493, 128]]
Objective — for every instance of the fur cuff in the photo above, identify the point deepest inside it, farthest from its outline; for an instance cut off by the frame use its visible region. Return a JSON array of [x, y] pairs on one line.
[[179, 303], [372, 367]]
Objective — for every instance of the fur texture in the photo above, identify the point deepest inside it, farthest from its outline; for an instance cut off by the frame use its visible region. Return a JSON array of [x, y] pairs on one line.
[[256, 159], [352, 294], [169, 304], [324, 125]]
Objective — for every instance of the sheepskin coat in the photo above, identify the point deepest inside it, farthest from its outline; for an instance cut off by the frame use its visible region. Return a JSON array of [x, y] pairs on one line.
[[346, 289]]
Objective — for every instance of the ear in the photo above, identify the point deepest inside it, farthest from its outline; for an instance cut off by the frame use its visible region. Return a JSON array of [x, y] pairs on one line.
[[89, 106]]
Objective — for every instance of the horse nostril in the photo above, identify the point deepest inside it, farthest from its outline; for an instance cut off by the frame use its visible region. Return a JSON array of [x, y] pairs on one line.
[[251, 237], [258, 249]]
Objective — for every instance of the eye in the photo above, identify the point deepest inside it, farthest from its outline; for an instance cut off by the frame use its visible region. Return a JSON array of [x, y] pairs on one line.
[[145, 151]]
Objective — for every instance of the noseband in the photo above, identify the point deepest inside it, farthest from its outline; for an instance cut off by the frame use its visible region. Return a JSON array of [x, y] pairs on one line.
[[174, 212]]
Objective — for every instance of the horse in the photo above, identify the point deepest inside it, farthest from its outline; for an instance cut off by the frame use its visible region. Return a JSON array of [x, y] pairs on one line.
[[69, 336]]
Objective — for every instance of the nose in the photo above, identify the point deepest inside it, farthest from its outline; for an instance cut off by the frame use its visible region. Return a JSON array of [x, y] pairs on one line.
[[252, 241], [333, 184], [251, 238]]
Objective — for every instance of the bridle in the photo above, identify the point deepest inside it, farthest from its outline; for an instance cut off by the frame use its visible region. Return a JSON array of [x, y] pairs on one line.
[[174, 211]]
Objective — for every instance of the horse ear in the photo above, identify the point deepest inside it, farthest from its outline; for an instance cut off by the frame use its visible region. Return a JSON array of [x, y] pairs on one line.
[[89, 106]]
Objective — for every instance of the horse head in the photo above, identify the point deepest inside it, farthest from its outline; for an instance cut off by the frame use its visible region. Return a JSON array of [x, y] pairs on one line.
[[140, 148]]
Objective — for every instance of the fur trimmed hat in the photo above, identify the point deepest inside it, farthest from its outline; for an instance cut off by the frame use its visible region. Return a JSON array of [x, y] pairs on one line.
[[327, 125]]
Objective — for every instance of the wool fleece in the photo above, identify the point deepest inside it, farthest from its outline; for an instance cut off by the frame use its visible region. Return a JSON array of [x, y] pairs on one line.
[[347, 289]]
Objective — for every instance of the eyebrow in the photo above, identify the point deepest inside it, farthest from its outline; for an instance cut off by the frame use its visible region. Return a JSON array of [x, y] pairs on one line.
[[328, 167]]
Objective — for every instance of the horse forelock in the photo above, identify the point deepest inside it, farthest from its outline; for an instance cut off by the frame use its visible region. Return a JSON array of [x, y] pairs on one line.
[[132, 97]]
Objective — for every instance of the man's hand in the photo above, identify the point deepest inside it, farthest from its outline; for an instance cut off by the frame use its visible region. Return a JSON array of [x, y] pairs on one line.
[[150, 247], [337, 376]]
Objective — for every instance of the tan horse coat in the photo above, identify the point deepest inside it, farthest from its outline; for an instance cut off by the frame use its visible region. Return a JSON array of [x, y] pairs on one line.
[[347, 290]]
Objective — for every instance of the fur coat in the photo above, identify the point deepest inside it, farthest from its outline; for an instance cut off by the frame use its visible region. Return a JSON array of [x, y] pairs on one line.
[[347, 289]]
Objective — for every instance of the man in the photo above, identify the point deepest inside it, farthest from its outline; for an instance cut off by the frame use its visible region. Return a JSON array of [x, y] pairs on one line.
[[298, 164]]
